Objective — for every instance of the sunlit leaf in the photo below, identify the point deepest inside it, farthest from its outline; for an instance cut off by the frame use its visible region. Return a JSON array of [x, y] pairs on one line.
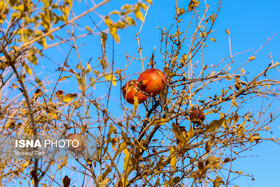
[[193, 4], [160, 121], [215, 124], [213, 39], [69, 97], [111, 77], [127, 161], [130, 21], [234, 102], [251, 58], [173, 159], [179, 135], [139, 15], [64, 78], [104, 182], [227, 31]]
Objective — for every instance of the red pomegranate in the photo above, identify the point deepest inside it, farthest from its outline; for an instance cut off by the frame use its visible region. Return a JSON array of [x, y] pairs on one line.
[[152, 81], [131, 90]]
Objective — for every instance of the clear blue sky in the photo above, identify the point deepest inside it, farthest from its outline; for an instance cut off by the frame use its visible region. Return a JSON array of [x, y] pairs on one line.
[[251, 23]]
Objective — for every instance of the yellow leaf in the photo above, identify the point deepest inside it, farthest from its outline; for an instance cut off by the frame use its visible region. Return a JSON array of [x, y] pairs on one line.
[[139, 15], [120, 149], [69, 97], [113, 31], [108, 21], [149, 1], [193, 4], [242, 71], [88, 29], [104, 182], [25, 164], [111, 77], [160, 121], [235, 118], [234, 102], [27, 69], [81, 82], [53, 115], [135, 104], [227, 31], [252, 58], [112, 129], [127, 161], [83, 128], [64, 162], [64, 77], [213, 39], [228, 77], [69, 3], [190, 132], [130, 21], [179, 135], [215, 124], [173, 159]]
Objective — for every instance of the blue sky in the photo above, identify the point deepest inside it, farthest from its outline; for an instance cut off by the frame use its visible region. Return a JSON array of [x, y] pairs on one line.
[[251, 23]]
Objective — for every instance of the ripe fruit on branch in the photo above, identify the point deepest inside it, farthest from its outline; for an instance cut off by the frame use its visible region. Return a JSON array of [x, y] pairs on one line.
[[152, 81], [197, 116], [77, 144], [131, 91]]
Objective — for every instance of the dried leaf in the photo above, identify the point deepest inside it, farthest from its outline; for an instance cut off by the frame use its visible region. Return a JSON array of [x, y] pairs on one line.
[[64, 77], [135, 103], [179, 135], [212, 17], [193, 4], [69, 97], [213, 39], [66, 181], [127, 161], [173, 159], [59, 94], [37, 94], [28, 69], [215, 125], [234, 102], [227, 31], [104, 182], [251, 58], [160, 121]]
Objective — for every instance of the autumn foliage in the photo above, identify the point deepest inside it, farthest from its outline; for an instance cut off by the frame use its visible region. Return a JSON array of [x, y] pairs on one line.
[[184, 122]]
